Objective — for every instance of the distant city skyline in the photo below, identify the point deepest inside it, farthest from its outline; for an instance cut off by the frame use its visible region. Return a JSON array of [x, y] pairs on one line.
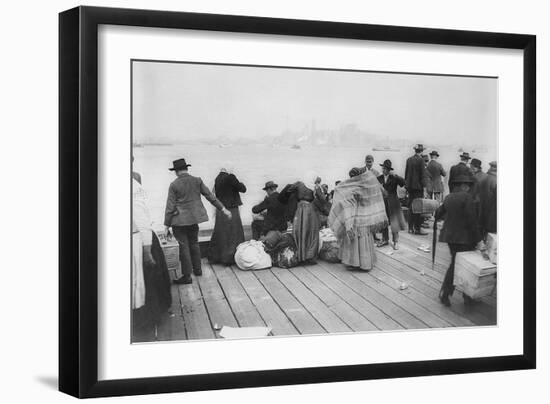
[[180, 103]]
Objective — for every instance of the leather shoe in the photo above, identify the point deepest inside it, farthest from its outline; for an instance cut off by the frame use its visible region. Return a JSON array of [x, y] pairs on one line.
[[445, 300], [198, 273], [184, 280], [420, 233]]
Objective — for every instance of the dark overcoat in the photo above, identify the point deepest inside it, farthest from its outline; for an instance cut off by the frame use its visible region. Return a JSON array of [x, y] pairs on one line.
[[275, 213], [460, 220], [436, 171], [227, 189], [416, 175], [488, 202]]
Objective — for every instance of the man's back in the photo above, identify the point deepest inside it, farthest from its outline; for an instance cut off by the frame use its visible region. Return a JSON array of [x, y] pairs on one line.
[[460, 226], [435, 169], [184, 206], [460, 169], [415, 173]]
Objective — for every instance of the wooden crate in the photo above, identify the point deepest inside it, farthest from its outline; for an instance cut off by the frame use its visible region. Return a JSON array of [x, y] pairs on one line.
[[475, 276]]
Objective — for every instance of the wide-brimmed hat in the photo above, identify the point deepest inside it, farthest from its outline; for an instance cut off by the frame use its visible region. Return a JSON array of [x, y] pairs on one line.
[[463, 179], [179, 164], [387, 164], [475, 163], [269, 184], [434, 153], [419, 147], [465, 155]]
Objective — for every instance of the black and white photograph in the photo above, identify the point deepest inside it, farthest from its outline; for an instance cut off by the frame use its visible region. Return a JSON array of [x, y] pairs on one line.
[[274, 201]]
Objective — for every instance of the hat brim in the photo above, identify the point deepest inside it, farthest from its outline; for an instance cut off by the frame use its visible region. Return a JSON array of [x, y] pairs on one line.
[[270, 187], [383, 166], [179, 168]]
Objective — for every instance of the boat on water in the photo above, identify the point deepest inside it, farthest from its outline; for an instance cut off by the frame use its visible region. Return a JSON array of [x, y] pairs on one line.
[[385, 149], [295, 146], [223, 145]]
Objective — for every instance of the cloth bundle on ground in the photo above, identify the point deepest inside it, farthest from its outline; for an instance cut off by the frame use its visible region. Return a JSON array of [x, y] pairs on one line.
[[424, 206], [328, 246], [251, 256], [358, 207], [282, 249]]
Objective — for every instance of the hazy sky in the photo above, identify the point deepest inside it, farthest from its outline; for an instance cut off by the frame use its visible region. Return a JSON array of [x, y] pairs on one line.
[[178, 102]]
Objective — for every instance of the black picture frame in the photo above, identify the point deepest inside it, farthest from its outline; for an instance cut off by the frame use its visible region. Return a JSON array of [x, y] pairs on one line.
[[78, 200]]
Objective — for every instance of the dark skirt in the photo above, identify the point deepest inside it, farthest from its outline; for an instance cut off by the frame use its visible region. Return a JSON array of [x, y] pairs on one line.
[[227, 235], [305, 230], [158, 297]]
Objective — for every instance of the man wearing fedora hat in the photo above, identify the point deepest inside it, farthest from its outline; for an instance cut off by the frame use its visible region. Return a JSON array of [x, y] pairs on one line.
[[390, 182], [435, 170], [275, 210], [184, 211], [460, 169], [460, 228], [416, 180]]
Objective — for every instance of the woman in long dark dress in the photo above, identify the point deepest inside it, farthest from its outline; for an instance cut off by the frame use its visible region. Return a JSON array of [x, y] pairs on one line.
[[305, 226], [228, 233], [390, 182]]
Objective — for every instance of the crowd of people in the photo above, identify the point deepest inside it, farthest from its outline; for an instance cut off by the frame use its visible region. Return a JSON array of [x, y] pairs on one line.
[[359, 208]]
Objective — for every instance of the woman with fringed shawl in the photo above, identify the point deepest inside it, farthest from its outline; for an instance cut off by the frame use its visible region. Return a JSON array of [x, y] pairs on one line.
[[357, 211]]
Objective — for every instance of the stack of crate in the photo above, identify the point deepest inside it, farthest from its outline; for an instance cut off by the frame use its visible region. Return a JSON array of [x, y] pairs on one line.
[[475, 276]]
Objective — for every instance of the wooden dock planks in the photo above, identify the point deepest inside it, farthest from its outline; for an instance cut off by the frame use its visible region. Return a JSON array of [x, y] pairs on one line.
[[323, 298], [243, 308], [355, 320], [293, 309], [315, 306], [270, 311]]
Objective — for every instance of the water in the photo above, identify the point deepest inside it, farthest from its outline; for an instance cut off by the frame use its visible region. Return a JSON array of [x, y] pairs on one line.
[[257, 164]]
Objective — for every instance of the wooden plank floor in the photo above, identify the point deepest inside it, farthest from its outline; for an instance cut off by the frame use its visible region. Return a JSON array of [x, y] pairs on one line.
[[401, 292]]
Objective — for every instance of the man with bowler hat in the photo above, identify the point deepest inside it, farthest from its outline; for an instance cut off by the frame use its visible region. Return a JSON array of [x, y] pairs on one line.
[[436, 171], [184, 211], [416, 179], [460, 169], [275, 210], [460, 228]]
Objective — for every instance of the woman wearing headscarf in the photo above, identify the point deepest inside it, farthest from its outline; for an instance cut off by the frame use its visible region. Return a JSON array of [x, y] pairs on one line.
[[357, 211], [305, 225], [228, 233]]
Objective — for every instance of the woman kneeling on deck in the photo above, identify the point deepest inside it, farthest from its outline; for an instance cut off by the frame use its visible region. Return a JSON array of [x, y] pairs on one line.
[[357, 211]]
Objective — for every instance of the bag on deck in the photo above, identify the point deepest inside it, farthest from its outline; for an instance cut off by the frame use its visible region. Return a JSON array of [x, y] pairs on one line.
[[424, 206], [328, 246], [251, 256]]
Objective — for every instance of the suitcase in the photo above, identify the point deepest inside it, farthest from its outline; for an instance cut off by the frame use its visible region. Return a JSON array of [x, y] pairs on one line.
[[474, 275], [424, 206], [171, 254]]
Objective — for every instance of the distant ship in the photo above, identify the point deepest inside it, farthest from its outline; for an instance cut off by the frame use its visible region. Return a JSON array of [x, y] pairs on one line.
[[385, 149], [137, 145], [295, 146], [223, 145]]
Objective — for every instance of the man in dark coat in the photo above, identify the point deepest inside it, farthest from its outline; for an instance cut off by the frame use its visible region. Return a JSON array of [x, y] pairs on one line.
[[460, 169], [435, 169], [488, 200], [184, 211], [274, 218], [416, 179], [390, 182], [460, 228]]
